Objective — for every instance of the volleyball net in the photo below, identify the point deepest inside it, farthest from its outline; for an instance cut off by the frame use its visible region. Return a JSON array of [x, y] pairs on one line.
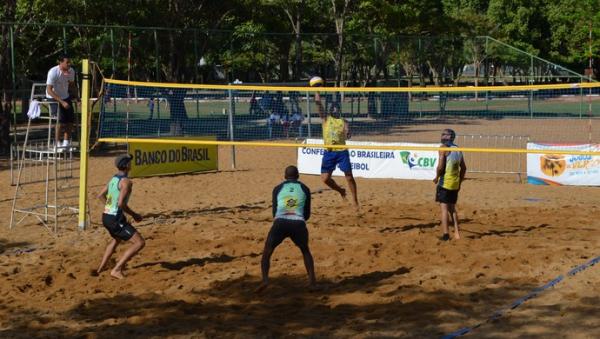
[[286, 116]]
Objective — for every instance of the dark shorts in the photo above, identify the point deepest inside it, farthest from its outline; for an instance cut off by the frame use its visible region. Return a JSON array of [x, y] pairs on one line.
[[65, 116], [333, 158], [118, 227], [284, 228], [446, 196]]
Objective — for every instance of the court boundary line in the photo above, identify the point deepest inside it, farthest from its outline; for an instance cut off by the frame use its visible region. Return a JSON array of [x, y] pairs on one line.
[[501, 312]]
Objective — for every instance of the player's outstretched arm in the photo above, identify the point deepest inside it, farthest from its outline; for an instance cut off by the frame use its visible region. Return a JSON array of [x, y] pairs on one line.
[[320, 107]]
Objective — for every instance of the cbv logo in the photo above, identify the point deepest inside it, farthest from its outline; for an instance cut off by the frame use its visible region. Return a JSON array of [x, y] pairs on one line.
[[414, 160]]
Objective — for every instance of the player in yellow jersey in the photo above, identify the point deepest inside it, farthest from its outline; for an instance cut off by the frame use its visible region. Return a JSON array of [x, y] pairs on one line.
[[450, 174], [335, 132]]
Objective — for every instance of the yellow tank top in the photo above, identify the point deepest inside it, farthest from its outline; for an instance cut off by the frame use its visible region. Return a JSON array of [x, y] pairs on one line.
[[333, 132], [451, 178]]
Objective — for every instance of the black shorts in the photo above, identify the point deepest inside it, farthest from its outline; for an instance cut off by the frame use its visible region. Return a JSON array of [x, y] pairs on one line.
[[118, 227], [283, 228], [65, 115], [446, 196]]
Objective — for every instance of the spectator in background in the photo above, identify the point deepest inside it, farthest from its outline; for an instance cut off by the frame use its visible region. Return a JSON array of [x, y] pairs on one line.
[[254, 109], [265, 103], [273, 122], [297, 119], [177, 110], [151, 106]]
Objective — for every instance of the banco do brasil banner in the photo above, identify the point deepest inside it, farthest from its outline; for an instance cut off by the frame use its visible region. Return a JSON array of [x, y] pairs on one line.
[[397, 164], [159, 159], [563, 169]]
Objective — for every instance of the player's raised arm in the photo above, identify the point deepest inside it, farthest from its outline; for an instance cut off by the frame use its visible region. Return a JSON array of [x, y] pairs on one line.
[[320, 107]]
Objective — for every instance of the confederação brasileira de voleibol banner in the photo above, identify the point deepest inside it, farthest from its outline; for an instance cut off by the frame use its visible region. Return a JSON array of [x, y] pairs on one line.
[[563, 169], [150, 159], [368, 163]]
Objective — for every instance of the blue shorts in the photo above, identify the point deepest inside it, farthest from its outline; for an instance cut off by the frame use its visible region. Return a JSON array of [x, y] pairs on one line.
[[333, 158]]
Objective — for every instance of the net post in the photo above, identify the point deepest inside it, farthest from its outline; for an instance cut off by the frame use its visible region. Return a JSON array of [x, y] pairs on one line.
[[308, 112], [83, 144], [531, 82], [231, 138]]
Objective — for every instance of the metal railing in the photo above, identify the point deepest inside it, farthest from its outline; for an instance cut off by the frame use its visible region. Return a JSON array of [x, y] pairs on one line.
[[495, 163]]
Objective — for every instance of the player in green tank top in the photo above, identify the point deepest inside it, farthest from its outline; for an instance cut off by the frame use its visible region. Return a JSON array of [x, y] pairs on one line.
[[291, 210], [450, 174], [115, 197]]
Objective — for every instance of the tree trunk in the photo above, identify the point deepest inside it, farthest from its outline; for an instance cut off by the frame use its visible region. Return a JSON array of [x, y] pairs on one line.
[[173, 68], [284, 64], [298, 61], [338, 59], [477, 64], [340, 18], [435, 75], [6, 85], [295, 21]]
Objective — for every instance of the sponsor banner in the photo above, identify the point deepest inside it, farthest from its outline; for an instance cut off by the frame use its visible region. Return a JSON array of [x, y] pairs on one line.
[[419, 165], [160, 159], [563, 169]]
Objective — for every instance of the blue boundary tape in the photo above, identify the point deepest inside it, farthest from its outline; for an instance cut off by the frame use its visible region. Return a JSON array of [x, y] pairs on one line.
[[499, 313]]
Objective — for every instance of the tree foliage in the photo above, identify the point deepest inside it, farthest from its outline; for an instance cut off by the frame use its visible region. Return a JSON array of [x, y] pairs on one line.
[[347, 41]]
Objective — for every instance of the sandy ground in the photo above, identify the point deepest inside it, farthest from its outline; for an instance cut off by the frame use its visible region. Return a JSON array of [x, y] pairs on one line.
[[382, 274]]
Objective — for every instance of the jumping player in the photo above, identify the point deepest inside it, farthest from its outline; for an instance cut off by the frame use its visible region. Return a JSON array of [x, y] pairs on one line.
[[335, 132], [116, 196], [450, 174], [291, 210]]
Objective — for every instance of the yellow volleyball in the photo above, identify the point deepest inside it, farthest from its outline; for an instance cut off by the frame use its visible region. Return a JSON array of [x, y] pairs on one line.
[[315, 81]]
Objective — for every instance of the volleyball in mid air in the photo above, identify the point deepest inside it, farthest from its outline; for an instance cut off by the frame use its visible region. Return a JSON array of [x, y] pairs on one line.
[[315, 81]]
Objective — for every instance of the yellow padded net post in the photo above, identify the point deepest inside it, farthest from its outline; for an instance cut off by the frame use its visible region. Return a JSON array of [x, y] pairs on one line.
[[83, 166]]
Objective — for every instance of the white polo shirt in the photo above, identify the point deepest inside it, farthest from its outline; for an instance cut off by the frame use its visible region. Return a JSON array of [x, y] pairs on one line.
[[60, 81]]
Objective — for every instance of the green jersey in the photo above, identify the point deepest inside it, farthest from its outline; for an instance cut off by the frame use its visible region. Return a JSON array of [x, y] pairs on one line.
[[112, 196], [291, 200]]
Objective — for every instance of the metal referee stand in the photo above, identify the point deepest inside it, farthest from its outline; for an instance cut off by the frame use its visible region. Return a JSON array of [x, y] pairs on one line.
[[46, 185]]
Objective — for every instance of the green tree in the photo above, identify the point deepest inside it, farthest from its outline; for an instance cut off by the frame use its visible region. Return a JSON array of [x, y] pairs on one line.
[[520, 23], [570, 23], [472, 21]]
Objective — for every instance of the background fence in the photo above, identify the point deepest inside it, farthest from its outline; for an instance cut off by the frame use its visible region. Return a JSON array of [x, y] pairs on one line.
[[217, 57], [212, 56]]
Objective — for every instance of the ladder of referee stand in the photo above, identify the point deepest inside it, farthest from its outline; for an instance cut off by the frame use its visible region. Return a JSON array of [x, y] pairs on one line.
[[46, 181]]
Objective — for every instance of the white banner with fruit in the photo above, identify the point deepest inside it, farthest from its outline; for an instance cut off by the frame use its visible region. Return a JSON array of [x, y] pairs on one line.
[[563, 169]]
